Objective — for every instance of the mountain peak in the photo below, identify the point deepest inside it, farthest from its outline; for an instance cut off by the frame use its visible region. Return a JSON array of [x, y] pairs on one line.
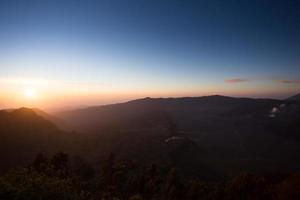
[[24, 112]]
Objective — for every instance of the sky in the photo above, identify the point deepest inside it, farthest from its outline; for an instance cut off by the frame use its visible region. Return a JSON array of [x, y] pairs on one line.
[[60, 54]]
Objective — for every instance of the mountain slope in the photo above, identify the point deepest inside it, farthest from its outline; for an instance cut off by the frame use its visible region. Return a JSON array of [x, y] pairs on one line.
[[182, 110], [25, 134], [294, 98], [60, 123], [207, 137], [222, 135]]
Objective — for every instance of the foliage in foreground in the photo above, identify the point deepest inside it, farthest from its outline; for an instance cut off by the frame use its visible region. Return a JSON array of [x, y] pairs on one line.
[[56, 178]]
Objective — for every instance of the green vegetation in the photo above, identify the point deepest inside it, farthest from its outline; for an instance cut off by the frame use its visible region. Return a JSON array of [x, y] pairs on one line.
[[58, 178]]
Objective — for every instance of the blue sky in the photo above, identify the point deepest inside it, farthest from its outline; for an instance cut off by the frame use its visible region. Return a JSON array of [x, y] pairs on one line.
[[187, 47]]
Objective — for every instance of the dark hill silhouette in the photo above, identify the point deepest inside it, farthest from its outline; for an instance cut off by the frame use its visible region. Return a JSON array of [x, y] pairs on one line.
[[295, 97], [60, 123], [25, 119], [102, 116], [24, 134], [211, 137], [227, 134]]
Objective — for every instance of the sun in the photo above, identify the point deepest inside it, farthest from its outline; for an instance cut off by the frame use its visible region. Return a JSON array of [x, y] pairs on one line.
[[29, 93]]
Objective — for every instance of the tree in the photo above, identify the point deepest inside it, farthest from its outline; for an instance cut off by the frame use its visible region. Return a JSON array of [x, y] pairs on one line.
[[172, 186], [289, 189], [60, 164], [41, 163], [24, 184]]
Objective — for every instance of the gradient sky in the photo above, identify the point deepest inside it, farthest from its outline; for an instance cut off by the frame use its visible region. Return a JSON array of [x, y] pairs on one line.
[[76, 53]]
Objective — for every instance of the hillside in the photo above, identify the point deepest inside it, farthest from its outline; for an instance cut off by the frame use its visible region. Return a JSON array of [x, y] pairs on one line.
[[179, 109], [25, 134], [60, 123], [212, 137], [209, 137], [294, 98]]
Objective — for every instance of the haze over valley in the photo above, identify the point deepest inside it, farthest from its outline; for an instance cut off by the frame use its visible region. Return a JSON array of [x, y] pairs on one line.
[[149, 100]]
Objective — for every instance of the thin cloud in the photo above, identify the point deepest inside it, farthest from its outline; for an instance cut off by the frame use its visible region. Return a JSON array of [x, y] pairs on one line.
[[236, 80], [289, 81]]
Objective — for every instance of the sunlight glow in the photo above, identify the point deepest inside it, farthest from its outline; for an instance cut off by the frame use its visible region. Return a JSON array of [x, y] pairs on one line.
[[30, 92]]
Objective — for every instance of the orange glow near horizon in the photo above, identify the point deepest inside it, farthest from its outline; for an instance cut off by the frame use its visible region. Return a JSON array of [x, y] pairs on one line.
[[62, 95]]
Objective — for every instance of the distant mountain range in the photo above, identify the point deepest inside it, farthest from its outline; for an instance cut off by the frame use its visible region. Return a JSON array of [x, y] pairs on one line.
[[211, 137], [186, 108], [222, 134]]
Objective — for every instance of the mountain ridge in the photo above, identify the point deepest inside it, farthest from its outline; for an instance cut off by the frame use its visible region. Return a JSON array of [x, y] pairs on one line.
[[179, 99], [217, 136], [229, 131], [60, 123], [24, 134], [294, 97]]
